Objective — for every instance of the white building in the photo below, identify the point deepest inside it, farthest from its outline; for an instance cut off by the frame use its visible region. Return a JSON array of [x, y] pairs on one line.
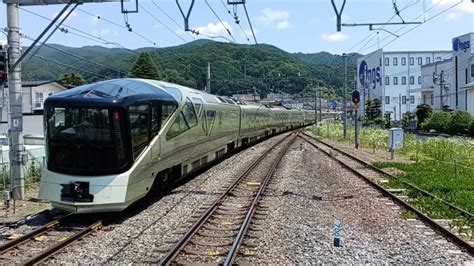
[[456, 90], [395, 78], [438, 83], [34, 93]]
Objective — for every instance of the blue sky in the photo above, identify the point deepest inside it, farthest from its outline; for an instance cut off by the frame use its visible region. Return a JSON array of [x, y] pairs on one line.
[[293, 25]]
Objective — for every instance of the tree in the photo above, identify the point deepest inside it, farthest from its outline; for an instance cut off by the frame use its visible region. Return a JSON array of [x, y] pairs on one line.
[[408, 120], [423, 112], [144, 67], [373, 111], [71, 79], [459, 123], [439, 121]]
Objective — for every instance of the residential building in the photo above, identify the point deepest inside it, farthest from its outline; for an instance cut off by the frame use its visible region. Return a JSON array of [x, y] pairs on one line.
[[34, 93]]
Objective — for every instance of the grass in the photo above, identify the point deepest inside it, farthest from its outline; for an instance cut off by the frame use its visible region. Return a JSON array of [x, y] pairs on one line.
[[450, 150], [454, 187]]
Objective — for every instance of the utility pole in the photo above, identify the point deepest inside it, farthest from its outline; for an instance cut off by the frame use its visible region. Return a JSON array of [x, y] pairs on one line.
[[15, 121], [208, 78], [400, 106], [316, 106], [320, 106], [441, 86], [344, 92]]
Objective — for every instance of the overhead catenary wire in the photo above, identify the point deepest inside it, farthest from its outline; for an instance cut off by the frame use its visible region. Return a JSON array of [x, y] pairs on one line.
[[220, 20], [171, 18], [416, 26], [100, 39], [73, 55], [69, 66], [159, 21], [238, 23], [374, 34], [429, 19]]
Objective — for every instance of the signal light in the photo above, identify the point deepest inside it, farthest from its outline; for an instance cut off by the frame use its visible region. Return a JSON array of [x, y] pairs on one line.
[[355, 97], [116, 116], [3, 65]]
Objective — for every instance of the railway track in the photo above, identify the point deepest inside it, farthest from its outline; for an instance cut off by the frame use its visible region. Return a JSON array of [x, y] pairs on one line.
[[43, 242], [376, 177], [217, 236]]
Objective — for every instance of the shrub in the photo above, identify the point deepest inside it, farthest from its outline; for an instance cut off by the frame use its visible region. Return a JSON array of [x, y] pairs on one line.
[[408, 120], [471, 129], [423, 112], [439, 121], [459, 122]]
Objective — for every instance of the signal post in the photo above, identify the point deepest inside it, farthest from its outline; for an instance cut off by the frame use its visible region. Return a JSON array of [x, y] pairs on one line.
[[356, 100]]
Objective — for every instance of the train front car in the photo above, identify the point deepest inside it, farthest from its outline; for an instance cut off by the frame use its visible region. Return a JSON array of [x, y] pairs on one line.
[[95, 136]]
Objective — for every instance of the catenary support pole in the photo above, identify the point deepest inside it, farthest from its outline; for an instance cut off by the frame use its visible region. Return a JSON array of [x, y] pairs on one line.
[[344, 100], [15, 119], [208, 78], [356, 129]]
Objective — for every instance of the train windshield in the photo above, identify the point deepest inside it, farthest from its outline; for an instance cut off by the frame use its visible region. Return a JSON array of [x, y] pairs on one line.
[[84, 140]]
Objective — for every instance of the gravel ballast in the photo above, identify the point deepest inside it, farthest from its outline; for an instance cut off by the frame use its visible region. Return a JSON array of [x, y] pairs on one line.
[[309, 192], [145, 237]]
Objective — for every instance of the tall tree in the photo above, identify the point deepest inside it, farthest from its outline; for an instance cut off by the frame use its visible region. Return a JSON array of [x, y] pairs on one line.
[[144, 67], [71, 79]]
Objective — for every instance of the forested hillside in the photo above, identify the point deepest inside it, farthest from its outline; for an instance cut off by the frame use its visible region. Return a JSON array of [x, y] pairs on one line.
[[235, 68]]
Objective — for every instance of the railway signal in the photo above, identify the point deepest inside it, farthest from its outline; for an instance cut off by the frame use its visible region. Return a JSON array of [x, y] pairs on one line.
[[3, 65], [355, 97]]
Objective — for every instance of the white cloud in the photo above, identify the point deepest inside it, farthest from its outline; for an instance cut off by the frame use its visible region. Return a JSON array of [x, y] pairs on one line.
[[215, 29], [283, 25], [269, 15], [453, 16], [73, 14], [464, 8], [335, 37], [279, 18]]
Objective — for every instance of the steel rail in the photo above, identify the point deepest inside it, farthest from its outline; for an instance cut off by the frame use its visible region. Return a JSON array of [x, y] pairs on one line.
[[53, 249], [463, 244], [176, 249], [380, 171], [248, 218], [18, 241]]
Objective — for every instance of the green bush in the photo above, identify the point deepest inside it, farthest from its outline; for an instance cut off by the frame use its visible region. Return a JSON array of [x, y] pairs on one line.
[[459, 123], [423, 112], [471, 129], [439, 121]]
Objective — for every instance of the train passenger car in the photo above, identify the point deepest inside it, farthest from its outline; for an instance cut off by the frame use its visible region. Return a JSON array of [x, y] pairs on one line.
[[110, 143]]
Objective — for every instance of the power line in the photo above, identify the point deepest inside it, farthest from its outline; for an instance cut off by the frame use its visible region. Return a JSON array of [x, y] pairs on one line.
[[75, 29], [69, 66], [159, 21], [401, 28], [410, 4], [172, 19], [73, 55], [236, 21], [431, 18], [222, 23]]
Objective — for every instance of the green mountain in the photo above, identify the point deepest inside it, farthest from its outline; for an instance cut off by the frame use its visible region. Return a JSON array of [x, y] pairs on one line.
[[235, 68]]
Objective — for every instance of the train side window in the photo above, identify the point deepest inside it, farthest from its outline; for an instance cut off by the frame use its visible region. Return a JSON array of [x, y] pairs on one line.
[[210, 115], [167, 110], [179, 126], [198, 103], [139, 127], [155, 119], [190, 114]]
